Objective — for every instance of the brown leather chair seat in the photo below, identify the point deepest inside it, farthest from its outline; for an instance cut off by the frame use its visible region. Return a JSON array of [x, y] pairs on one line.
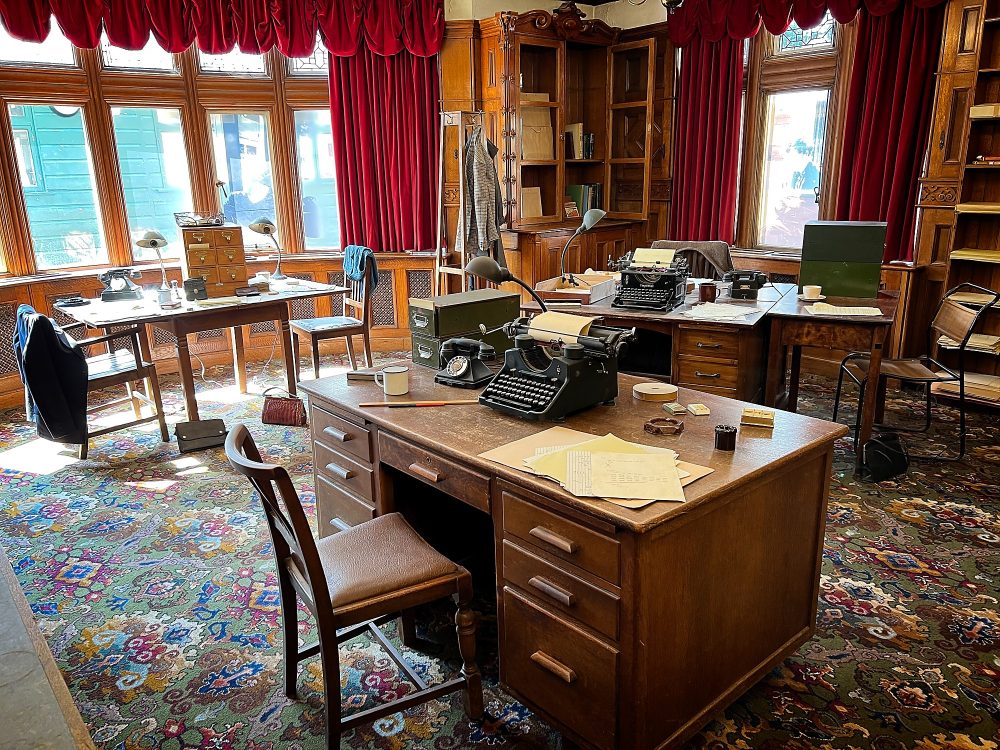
[[378, 557], [904, 369]]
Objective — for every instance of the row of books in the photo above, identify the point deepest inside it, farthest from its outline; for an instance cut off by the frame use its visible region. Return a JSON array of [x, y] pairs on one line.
[[587, 196]]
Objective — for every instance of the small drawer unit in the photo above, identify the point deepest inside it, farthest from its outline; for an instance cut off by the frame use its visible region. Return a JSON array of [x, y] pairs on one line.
[[342, 470], [216, 255]]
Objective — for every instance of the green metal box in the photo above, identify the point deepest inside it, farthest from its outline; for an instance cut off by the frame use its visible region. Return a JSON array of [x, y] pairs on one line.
[[844, 257], [426, 350], [451, 315]]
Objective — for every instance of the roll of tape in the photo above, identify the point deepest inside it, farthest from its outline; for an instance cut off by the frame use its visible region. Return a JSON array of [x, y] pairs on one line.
[[654, 392]]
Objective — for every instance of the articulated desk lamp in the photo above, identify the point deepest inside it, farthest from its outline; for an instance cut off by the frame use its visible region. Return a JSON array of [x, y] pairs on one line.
[[590, 220], [154, 241], [484, 267], [267, 228]]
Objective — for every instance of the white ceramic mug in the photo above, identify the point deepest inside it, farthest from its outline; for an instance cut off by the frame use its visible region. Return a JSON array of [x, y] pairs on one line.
[[395, 380], [812, 291]]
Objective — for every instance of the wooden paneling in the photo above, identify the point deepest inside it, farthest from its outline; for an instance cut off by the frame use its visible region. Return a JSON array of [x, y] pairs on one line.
[[951, 109]]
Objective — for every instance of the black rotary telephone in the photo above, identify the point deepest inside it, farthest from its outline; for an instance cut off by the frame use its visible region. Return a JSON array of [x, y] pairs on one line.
[[465, 363], [745, 284]]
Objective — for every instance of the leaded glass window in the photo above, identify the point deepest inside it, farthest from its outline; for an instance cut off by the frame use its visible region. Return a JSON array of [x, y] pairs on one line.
[[317, 64], [816, 39]]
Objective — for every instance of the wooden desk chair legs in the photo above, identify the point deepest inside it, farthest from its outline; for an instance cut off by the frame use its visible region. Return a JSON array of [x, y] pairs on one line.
[[351, 582], [123, 367], [355, 321]]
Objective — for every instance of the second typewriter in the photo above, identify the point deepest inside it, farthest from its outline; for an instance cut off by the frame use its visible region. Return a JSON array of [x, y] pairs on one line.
[[546, 376], [651, 286]]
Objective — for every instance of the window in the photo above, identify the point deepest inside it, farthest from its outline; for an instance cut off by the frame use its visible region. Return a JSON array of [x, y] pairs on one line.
[[154, 173], [320, 214], [232, 62], [55, 50], [317, 64], [152, 57], [243, 163], [793, 161], [818, 38], [62, 210]]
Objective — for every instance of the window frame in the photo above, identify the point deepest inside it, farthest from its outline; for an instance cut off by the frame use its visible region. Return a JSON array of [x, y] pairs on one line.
[[767, 72], [195, 93]]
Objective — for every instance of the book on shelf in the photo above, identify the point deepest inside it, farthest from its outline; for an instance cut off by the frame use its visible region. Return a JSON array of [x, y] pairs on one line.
[[978, 342], [574, 140], [587, 196]]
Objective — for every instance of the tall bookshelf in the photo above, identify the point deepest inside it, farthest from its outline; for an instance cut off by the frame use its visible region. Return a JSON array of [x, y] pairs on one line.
[[975, 246]]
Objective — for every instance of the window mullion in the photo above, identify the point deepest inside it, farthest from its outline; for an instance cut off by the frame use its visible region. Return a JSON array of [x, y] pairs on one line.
[[15, 234], [283, 158], [197, 138]]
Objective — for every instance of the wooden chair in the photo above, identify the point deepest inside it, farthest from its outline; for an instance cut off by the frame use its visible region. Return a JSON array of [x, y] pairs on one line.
[[356, 321], [121, 367], [352, 581], [705, 259], [952, 319]]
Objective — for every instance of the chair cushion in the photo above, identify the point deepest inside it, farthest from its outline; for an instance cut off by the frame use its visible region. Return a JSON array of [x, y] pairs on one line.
[[378, 557], [319, 325], [904, 369], [117, 362]]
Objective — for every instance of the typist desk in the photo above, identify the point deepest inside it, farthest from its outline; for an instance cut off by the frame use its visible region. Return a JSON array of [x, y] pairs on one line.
[[622, 628]]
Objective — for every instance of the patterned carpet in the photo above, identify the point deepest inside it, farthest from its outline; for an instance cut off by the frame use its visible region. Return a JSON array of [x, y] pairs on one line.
[[150, 575]]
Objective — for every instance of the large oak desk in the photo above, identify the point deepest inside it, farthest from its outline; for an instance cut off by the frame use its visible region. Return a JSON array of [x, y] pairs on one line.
[[194, 317], [792, 327], [720, 357], [623, 629]]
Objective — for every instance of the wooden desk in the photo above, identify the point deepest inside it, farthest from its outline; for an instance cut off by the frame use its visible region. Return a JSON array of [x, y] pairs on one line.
[[793, 327], [194, 317], [720, 357], [623, 629]]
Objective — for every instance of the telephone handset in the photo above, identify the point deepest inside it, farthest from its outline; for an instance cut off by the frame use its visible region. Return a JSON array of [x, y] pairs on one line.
[[465, 363]]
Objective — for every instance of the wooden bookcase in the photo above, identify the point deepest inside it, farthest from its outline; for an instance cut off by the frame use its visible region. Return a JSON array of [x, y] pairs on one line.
[[975, 241]]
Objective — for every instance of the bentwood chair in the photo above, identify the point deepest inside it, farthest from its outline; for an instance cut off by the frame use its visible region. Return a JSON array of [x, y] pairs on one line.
[[705, 260], [355, 321], [352, 581], [953, 320]]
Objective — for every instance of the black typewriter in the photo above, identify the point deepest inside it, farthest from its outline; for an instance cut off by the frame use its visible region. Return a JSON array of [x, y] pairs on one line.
[[659, 288], [550, 380]]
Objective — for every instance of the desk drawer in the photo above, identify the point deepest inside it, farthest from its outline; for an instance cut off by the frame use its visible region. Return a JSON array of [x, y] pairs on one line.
[[347, 437], [565, 672], [337, 509], [465, 484], [344, 471], [231, 255], [697, 371], [232, 274], [228, 237], [709, 342], [209, 273], [557, 588], [200, 255], [589, 549]]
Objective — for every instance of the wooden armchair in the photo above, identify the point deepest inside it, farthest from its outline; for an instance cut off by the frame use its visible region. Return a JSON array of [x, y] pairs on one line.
[[355, 321], [351, 581]]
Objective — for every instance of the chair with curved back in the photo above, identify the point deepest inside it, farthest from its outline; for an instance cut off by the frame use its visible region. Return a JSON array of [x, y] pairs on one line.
[[352, 581], [705, 259], [954, 321]]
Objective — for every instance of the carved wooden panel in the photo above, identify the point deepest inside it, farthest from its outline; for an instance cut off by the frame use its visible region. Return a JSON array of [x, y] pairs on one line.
[[961, 36], [955, 93], [934, 235], [938, 194]]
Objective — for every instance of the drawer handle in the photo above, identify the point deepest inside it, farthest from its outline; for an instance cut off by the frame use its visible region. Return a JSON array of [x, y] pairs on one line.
[[421, 321], [337, 434], [548, 588], [340, 471], [703, 345], [425, 472], [707, 374], [550, 537], [424, 352], [554, 666]]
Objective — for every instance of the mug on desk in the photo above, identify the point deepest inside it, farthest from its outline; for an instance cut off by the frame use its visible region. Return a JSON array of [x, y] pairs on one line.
[[812, 291], [395, 380]]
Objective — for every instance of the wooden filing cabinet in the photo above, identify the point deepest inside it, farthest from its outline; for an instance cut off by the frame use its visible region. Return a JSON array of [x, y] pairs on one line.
[[215, 254], [343, 472]]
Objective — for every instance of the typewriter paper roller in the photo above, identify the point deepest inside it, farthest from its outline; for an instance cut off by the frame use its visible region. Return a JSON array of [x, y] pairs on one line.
[[557, 326]]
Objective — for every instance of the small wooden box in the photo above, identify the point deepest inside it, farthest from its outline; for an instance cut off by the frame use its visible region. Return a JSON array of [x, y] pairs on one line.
[[215, 254], [592, 288]]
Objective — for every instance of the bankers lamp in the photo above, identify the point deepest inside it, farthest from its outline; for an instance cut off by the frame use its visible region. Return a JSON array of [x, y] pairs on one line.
[[154, 241], [590, 220], [266, 227], [484, 267]]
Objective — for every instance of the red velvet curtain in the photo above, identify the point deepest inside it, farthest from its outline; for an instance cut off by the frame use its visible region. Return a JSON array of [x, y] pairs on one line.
[[740, 19], [707, 141], [384, 112], [888, 119], [254, 26]]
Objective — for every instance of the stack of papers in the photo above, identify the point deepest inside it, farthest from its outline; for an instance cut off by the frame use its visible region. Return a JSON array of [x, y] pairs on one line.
[[977, 384], [631, 475], [716, 311], [973, 253], [971, 298], [978, 342], [822, 308]]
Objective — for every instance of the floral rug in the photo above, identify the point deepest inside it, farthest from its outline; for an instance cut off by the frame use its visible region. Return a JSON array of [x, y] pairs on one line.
[[150, 575]]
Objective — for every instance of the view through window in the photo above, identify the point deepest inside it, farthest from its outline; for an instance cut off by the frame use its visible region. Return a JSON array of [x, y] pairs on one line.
[[243, 163], [320, 215]]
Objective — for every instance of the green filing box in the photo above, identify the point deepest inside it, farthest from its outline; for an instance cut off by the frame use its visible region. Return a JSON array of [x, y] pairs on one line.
[[436, 319], [844, 257]]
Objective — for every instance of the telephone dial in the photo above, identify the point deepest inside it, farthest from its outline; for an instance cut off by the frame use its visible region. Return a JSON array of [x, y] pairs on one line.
[[465, 363]]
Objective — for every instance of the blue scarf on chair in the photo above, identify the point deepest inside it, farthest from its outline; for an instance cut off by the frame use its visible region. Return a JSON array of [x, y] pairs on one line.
[[356, 260]]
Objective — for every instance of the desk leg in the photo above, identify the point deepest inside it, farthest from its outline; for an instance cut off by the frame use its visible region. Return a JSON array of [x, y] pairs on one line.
[[868, 406], [775, 365], [793, 379], [187, 377], [239, 358], [286, 349]]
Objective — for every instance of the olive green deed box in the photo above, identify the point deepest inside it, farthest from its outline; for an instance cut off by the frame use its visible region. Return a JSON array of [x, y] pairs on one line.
[[843, 257], [437, 319]]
